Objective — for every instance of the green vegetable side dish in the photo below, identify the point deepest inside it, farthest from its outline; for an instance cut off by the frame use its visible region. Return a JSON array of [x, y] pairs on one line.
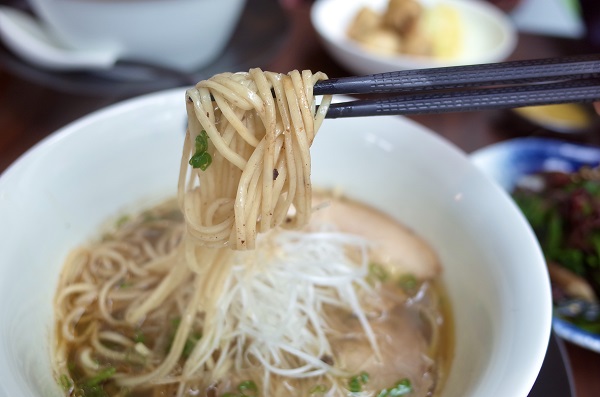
[[201, 158], [564, 212]]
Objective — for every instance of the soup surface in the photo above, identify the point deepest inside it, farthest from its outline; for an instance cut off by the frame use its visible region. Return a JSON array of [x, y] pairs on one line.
[[354, 293]]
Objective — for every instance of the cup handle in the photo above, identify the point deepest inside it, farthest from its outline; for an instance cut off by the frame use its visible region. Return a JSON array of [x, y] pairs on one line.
[[29, 39]]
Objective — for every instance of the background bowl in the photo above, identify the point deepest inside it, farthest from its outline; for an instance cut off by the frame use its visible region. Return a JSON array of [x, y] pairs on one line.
[[509, 161], [126, 157], [180, 34], [488, 35]]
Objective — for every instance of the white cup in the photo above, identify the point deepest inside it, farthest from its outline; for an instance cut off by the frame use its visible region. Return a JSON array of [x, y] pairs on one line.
[[179, 34]]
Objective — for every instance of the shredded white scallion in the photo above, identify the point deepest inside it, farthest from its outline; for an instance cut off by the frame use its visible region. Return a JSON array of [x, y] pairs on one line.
[[275, 310]]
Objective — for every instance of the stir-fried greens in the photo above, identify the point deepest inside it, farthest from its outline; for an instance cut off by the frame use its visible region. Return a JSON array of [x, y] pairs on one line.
[[564, 211]]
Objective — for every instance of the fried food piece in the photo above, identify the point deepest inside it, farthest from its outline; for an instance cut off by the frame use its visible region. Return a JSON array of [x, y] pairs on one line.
[[417, 41], [402, 15], [408, 27], [383, 41], [365, 22]]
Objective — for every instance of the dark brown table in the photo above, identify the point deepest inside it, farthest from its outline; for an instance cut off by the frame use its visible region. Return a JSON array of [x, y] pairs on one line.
[[29, 112]]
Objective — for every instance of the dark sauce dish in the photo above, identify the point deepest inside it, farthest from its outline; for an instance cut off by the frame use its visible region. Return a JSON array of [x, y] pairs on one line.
[[509, 162]]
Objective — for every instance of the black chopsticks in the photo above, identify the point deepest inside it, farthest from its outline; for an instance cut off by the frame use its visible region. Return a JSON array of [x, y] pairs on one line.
[[469, 88]]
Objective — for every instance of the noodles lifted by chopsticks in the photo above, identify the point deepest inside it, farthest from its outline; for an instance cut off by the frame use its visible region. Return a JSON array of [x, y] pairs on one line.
[[251, 132], [166, 307]]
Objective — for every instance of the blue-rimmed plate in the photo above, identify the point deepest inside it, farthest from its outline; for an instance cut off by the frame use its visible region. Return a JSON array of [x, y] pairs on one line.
[[508, 161]]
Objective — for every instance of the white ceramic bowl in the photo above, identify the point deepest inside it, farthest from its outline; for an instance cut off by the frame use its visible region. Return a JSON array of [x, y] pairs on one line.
[[179, 34], [488, 35], [60, 192]]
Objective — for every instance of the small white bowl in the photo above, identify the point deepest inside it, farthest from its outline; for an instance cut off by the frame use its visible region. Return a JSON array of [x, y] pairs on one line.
[[126, 157], [489, 36]]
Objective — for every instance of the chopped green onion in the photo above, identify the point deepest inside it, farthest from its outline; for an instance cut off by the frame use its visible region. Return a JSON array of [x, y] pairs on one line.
[[174, 325], [201, 160], [248, 388], [139, 337], [408, 282], [378, 271], [148, 216], [125, 284], [91, 391], [355, 384], [122, 220], [65, 382], [202, 142], [318, 389], [401, 388], [102, 376], [190, 343]]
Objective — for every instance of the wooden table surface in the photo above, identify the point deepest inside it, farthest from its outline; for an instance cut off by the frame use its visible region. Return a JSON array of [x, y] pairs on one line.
[[29, 112]]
